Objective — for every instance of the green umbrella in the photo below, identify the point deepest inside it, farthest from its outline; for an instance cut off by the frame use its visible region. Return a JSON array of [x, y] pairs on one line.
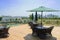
[[43, 9]]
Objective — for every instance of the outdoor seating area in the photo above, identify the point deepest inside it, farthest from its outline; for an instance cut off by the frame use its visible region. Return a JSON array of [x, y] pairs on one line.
[[29, 20], [4, 31], [40, 31], [24, 32]]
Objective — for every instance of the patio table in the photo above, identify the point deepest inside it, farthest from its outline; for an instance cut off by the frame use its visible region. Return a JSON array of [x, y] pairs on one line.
[[41, 30]]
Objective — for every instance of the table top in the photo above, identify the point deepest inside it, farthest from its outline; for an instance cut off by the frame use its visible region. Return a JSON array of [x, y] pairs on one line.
[[41, 27], [34, 23], [2, 27]]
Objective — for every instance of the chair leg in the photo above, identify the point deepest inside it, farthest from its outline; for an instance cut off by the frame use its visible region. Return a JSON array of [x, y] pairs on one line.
[[51, 34], [32, 33]]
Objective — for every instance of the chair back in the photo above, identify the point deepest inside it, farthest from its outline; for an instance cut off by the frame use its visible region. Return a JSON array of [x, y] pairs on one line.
[[49, 30]]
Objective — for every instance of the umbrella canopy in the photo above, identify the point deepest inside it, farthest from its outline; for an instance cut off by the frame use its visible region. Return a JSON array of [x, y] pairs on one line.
[[43, 9]]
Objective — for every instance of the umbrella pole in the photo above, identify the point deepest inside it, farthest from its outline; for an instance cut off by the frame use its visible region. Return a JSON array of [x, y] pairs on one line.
[[41, 18]]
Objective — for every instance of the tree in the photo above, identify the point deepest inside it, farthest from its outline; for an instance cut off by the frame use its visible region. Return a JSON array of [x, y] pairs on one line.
[[0, 18], [31, 16], [36, 18], [51, 16], [39, 16], [10, 20]]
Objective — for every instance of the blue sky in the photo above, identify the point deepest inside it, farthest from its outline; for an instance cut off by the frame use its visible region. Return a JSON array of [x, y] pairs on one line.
[[20, 7]]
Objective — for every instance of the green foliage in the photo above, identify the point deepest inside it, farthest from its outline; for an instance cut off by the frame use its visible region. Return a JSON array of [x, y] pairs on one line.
[[10, 19], [31, 16], [50, 21], [51, 16], [24, 17], [0, 18], [36, 18], [16, 19], [39, 16]]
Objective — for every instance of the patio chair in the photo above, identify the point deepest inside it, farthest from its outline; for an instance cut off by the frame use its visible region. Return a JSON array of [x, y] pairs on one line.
[[49, 30], [4, 31], [33, 24]]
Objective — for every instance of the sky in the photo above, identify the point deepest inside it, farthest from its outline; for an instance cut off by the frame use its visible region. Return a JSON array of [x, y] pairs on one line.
[[20, 7]]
